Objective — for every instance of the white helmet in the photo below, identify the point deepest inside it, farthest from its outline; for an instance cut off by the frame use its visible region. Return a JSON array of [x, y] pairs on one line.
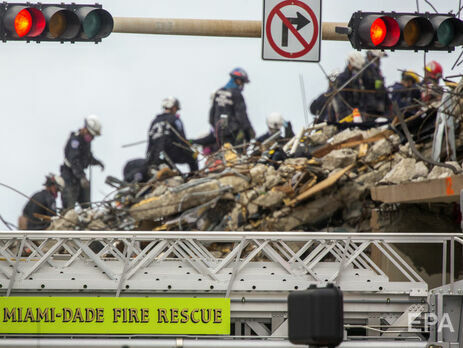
[[53, 179], [170, 102], [274, 121], [93, 125], [377, 53], [356, 60], [333, 75]]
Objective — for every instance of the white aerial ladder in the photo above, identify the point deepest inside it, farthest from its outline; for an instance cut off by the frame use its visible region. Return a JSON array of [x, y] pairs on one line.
[[257, 273]]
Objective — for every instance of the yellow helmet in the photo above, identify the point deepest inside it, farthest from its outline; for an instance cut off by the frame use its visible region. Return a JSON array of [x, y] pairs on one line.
[[411, 74]]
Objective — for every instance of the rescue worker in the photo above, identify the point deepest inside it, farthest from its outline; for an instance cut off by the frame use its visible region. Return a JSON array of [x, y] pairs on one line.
[[228, 114], [136, 170], [78, 157], [431, 90], [406, 92], [275, 122], [166, 138], [325, 107], [351, 96], [376, 103], [42, 205]]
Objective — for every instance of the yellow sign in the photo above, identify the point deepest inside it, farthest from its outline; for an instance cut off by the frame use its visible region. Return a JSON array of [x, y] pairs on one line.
[[114, 315]]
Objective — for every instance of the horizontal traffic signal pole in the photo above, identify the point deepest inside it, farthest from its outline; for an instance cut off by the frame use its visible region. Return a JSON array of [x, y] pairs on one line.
[[207, 27]]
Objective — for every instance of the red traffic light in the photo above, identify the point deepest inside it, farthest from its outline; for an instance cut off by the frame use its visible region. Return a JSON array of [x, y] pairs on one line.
[[26, 21], [385, 32], [378, 31], [412, 31], [54, 22]]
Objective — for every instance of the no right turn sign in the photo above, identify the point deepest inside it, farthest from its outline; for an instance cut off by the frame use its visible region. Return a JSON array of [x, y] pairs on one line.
[[291, 30]]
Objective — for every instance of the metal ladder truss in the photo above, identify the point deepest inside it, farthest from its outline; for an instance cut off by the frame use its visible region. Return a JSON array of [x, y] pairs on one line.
[[256, 270]]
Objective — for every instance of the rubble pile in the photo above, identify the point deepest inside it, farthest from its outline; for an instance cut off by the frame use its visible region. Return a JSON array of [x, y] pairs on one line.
[[323, 184]]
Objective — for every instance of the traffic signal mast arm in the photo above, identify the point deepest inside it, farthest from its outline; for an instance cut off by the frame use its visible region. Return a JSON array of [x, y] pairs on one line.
[[206, 27]]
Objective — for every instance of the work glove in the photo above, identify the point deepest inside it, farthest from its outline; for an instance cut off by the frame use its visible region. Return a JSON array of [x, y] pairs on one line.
[[289, 133], [240, 136], [84, 183], [378, 84]]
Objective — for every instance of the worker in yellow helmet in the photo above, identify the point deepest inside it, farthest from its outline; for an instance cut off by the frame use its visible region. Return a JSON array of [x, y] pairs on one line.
[[407, 92]]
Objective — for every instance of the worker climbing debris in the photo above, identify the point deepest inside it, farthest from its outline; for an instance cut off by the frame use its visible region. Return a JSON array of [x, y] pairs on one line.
[[167, 142], [78, 156], [42, 206], [228, 115]]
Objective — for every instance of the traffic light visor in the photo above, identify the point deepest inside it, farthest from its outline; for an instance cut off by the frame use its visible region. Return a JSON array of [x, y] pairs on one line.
[[97, 24], [29, 22], [418, 32], [449, 30], [63, 24], [384, 32], [446, 32]]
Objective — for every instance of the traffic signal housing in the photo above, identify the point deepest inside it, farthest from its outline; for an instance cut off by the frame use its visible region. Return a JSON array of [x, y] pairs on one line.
[[54, 22], [405, 31]]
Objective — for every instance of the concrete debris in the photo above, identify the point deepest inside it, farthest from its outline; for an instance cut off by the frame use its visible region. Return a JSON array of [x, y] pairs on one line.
[[402, 172], [322, 182], [421, 171], [380, 149], [441, 172], [318, 138], [270, 200], [339, 159], [345, 135]]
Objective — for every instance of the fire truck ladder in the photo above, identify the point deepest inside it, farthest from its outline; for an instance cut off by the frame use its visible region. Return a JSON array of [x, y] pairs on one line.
[[255, 270]]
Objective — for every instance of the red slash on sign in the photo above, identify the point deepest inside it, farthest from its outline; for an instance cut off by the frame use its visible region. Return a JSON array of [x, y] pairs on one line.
[[307, 46]]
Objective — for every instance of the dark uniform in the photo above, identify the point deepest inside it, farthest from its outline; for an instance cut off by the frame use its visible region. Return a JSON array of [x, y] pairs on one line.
[[229, 118], [77, 157], [377, 100], [351, 94], [136, 171], [162, 138], [405, 97], [45, 200], [325, 109]]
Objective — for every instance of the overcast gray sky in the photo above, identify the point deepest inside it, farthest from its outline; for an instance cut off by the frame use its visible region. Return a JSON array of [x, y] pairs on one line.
[[48, 88]]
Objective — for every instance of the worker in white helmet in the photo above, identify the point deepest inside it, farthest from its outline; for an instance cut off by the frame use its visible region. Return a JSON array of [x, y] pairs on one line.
[[352, 95], [78, 157], [167, 143], [275, 123]]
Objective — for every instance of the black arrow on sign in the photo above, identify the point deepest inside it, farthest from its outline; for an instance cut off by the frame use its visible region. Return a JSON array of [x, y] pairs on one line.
[[300, 21]]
